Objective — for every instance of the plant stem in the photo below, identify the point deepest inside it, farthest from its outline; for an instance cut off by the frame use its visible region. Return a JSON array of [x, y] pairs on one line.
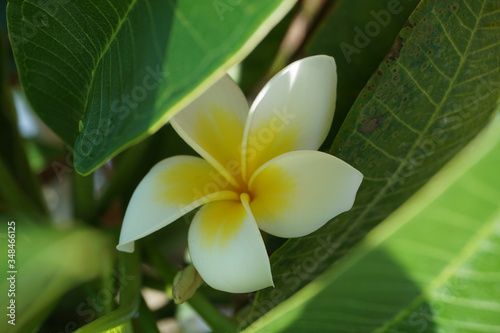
[[108, 279], [146, 319], [83, 196], [217, 321]]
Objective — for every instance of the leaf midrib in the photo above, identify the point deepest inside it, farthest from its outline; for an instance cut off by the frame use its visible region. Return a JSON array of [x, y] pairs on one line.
[[98, 61], [104, 51], [115, 32]]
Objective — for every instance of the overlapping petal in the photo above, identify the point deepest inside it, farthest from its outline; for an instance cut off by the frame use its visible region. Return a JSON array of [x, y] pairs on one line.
[[227, 249], [298, 192], [213, 126], [172, 188], [293, 111]]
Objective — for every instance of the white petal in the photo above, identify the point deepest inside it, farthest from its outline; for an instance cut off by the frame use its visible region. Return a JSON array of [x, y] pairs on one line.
[[298, 192], [227, 249], [172, 188], [213, 126], [294, 111]]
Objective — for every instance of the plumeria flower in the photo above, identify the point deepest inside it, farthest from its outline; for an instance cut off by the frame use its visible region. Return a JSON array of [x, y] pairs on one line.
[[259, 170]]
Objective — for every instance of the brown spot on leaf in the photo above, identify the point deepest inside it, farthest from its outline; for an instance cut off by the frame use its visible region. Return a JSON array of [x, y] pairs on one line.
[[371, 125], [396, 48]]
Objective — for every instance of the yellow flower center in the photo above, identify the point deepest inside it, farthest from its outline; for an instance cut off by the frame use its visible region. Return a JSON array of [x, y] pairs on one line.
[[242, 189]]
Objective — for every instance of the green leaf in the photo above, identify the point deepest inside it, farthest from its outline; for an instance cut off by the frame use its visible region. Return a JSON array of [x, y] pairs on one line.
[[49, 262], [436, 89], [104, 75], [433, 266], [358, 40], [123, 328]]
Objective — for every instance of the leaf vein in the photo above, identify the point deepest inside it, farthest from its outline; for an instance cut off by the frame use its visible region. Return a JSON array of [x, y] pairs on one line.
[[414, 130], [378, 148], [437, 68], [470, 9], [443, 26], [417, 84], [65, 28]]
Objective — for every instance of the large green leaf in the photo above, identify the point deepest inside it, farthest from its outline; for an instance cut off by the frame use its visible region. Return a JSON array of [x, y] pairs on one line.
[[358, 33], [435, 90], [104, 75], [433, 266]]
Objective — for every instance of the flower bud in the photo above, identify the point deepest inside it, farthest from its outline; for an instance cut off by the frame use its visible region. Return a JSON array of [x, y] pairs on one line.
[[185, 284]]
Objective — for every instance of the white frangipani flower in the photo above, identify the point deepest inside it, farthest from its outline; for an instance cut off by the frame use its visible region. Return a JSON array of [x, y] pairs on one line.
[[259, 170]]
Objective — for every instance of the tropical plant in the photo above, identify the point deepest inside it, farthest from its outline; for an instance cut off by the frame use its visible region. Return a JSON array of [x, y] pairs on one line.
[[96, 93]]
